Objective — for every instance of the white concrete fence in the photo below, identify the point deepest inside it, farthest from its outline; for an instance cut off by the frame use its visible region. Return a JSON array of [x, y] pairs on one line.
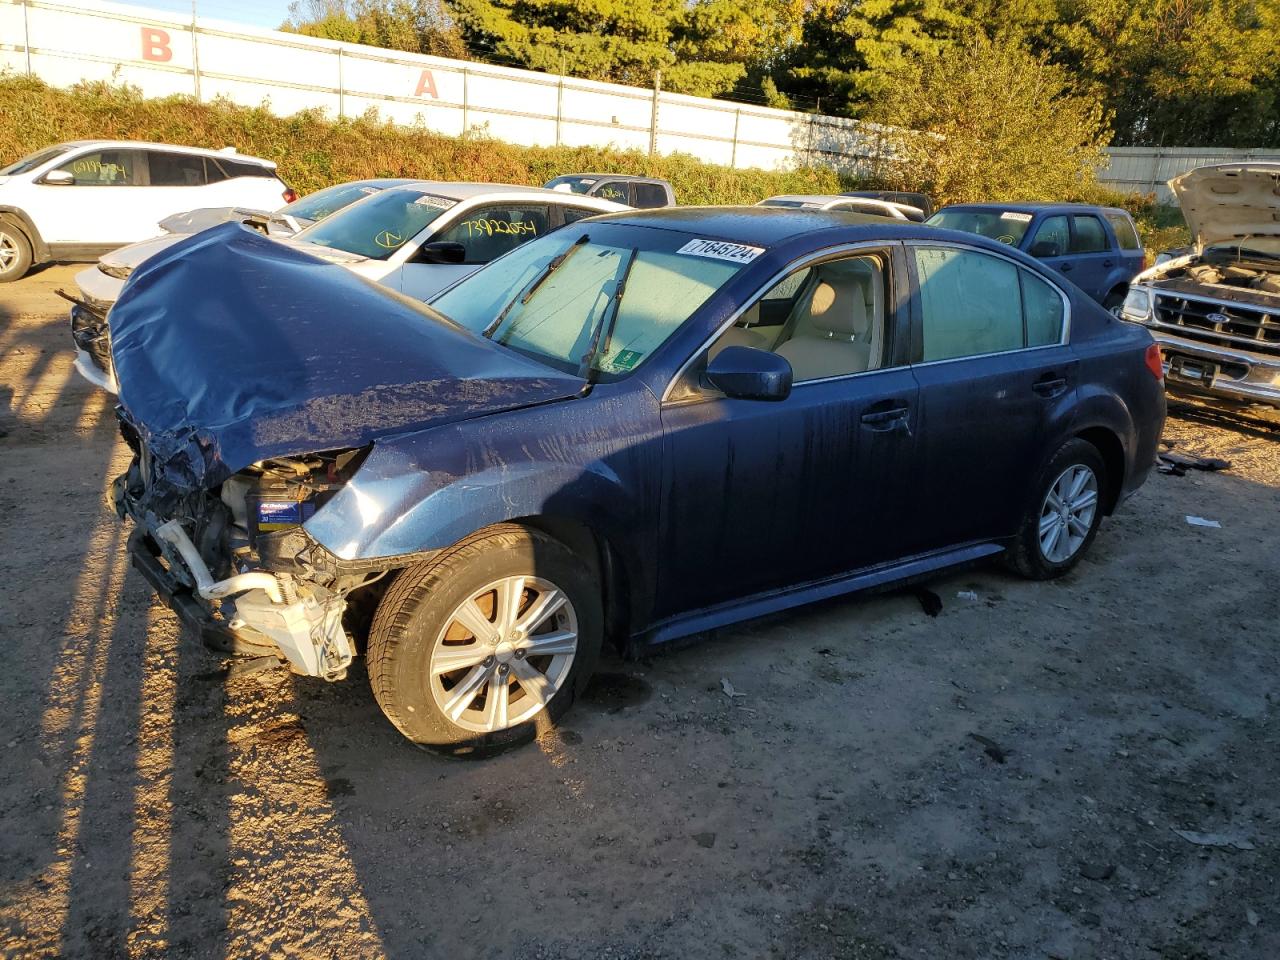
[[163, 54]]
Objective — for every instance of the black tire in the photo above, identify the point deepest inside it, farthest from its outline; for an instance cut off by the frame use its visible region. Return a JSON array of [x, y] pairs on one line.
[[15, 253], [1025, 555], [419, 604], [1115, 300]]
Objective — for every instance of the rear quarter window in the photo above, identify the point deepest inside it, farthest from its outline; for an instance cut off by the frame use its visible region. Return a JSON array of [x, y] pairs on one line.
[[1126, 233]]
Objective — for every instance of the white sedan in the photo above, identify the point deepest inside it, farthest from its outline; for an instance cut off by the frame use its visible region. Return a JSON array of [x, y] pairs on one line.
[[822, 201], [417, 239]]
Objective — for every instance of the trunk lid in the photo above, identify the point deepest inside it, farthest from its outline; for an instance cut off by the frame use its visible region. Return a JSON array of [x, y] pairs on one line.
[[231, 348], [1230, 201]]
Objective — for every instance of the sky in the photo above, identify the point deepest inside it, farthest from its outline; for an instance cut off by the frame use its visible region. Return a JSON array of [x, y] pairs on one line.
[[258, 13]]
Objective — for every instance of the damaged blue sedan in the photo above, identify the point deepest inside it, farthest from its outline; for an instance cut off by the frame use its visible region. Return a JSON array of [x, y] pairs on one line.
[[637, 428]]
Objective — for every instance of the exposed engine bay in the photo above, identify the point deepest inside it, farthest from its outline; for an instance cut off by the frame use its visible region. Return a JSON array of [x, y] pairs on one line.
[[1217, 268], [241, 550]]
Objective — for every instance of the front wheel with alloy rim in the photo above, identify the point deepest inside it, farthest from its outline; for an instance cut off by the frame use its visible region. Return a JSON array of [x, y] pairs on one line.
[[1065, 513], [478, 648], [15, 253]]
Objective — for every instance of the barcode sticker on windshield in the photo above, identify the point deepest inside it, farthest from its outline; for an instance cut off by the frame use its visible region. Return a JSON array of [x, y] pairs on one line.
[[736, 252], [1020, 217], [427, 200]]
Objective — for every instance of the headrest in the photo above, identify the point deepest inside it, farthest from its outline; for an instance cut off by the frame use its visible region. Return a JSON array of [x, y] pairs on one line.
[[838, 304]]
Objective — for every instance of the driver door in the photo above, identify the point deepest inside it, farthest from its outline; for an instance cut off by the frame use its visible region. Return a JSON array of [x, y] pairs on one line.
[[761, 495]]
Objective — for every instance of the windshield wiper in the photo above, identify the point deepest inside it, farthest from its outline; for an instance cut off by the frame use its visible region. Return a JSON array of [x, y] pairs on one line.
[[532, 286], [603, 332]]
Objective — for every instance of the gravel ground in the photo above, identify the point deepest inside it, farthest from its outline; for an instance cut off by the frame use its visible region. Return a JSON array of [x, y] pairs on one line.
[[1004, 780]]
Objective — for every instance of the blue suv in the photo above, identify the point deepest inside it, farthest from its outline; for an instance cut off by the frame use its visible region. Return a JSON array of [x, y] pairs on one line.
[[1096, 248]]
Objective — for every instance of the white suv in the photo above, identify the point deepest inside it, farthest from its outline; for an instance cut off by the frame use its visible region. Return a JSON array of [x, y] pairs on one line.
[[76, 201]]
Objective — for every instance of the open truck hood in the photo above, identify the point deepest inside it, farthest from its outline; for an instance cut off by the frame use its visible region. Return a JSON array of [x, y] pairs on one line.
[[230, 348], [1230, 201]]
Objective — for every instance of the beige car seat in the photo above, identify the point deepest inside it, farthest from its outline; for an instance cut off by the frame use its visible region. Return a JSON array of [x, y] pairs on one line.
[[835, 325]]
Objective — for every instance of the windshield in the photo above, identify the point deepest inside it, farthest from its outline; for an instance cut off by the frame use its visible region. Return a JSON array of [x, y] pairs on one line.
[[330, 200], [558, 297], [33, 160], [573, 184], [1008, 226], [378, 225], [1268, 248]]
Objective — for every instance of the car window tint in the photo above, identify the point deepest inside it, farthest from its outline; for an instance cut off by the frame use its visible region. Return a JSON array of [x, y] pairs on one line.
[[243, 168], [1126, 235], [834, 326], [615, 190], [175, 169], [488, 232], [649, 195], [574, 214], [970, 303], [1044, 310], [105, 168], [1052, 238], [1090, 237]]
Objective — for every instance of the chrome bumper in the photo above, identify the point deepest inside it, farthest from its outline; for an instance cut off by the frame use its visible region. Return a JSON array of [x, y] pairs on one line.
[[1259, 384]]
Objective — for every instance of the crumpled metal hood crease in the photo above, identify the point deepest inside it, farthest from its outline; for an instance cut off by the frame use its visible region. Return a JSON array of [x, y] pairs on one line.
[[231, 348]]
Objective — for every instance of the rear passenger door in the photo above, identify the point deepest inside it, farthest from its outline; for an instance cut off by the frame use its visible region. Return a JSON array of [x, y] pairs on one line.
[[995, 376]]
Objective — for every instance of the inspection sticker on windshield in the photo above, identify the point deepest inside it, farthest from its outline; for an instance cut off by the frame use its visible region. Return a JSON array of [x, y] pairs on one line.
[[737, 252], [1020, 217], [427, 200]]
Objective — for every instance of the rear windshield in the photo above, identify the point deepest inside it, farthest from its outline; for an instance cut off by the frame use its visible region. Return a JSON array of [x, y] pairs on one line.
[[33, 160], [379, 225], [572, 184], [583, 303], [1006, 226], [330, 200]]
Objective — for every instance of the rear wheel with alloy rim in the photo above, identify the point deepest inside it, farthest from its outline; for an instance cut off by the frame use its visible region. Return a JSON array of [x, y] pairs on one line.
[[480, 647], [15, 253], [1066, 512]]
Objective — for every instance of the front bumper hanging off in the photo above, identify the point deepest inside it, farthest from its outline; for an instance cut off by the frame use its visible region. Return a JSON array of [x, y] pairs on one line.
[[269, 617]]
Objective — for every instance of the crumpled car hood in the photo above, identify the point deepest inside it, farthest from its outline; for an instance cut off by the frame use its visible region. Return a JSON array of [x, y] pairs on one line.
[[230, 348], [1230, 200]]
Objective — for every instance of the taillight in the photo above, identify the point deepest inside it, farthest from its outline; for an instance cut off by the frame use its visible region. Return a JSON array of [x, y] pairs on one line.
[[1155, 362], [289, 195]]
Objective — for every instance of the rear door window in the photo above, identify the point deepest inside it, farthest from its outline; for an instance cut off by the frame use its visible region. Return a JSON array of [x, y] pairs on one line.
[[490, 231], [106, 168], [649, 195], [973, 304], [176, 169], [1088, 235], [1126, 234]]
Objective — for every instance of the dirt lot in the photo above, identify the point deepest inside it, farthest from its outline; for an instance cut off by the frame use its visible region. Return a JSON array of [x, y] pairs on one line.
[[151, 804]]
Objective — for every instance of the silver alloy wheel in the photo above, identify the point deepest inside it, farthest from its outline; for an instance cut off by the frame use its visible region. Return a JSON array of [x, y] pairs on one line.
[[8, 252], [1067, 513], [503, 653]]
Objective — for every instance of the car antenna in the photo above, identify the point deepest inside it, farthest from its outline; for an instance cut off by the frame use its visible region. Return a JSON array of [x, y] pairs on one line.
[[532, 287], [603, 332]]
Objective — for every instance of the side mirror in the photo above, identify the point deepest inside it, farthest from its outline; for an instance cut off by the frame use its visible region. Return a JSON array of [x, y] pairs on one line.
[[1045, 248], [59, 178], [442, 251], [746, 373]]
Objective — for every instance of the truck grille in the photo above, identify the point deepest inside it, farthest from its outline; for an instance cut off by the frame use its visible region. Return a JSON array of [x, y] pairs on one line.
[[1210, 321]]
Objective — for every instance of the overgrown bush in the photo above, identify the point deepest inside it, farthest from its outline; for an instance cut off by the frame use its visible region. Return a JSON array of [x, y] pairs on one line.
[[314, 152]]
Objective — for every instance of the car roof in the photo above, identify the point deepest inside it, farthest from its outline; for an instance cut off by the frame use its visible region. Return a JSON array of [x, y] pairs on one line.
[[225, 152], [612, 176], [814, 197], [1031, 206], [467, 191], [753, 226]]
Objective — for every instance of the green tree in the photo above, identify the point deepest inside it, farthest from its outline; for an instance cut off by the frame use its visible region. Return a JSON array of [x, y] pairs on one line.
[[1188, 72], [416, 26], [990, 120]]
